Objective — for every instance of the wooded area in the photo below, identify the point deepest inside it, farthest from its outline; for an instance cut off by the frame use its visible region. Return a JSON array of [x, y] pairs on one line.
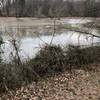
[[50, 8]]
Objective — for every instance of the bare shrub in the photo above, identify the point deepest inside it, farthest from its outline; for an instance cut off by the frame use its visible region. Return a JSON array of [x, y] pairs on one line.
[[15, 53], [77, 56], [10, 77], [49, 59], [13, 76]]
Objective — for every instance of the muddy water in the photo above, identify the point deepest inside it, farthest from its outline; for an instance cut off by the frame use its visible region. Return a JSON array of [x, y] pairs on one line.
[[30, 38]]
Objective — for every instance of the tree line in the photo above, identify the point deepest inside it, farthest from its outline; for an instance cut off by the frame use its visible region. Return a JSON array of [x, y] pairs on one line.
[[49, 8]]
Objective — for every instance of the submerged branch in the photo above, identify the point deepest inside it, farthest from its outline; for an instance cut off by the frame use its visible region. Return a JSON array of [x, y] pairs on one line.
[[84, 32]]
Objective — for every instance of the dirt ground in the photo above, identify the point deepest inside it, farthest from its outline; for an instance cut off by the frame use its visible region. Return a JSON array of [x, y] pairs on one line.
[[78, 85]]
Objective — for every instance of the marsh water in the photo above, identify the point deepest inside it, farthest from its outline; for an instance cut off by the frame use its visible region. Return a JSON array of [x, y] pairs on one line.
[[31, 35]]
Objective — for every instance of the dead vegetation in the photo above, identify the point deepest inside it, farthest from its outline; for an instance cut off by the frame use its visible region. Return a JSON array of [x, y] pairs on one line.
[[78, 85], [50, 60]]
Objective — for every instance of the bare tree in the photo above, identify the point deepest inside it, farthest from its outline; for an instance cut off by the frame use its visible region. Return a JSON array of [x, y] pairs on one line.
[[20, 6], [50, 8]]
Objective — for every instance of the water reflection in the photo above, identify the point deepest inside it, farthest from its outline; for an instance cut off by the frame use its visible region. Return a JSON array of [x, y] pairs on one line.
[[30, 46]]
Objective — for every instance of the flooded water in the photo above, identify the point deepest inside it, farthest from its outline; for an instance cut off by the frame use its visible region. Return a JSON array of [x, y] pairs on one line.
[[31, 38]]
